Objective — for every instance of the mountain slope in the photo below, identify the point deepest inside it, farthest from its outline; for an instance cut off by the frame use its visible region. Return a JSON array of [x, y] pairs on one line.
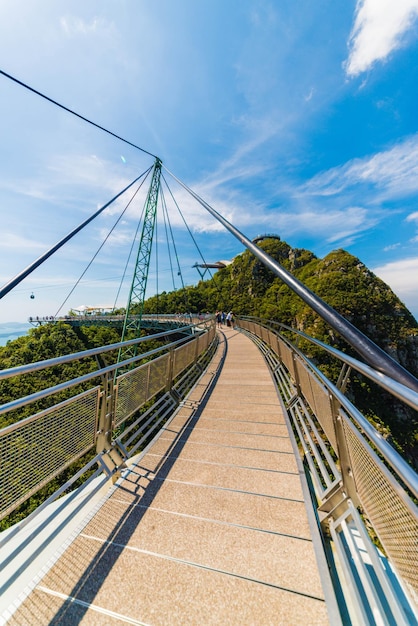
[[248, 288]]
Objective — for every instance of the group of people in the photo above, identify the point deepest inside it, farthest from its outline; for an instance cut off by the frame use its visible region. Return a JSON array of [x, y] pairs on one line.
[[223, 318]]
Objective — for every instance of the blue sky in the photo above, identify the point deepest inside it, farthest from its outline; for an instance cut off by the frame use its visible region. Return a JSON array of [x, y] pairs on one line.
[[297, 118]]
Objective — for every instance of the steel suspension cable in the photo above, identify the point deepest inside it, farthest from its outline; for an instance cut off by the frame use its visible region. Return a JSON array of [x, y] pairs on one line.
[[179, 272], [166, 219], [184, 221], [372, 353], [104, 241], [156, 264], [130, 253], [226, 305], [81, 117], [193, 239], [22, 275]]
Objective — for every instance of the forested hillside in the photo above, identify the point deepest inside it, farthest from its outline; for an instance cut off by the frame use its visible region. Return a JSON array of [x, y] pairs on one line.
[[248, 288], [46, 342]]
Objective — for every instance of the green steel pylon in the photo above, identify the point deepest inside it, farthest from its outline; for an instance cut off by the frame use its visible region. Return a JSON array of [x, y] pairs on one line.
[[139, 282]]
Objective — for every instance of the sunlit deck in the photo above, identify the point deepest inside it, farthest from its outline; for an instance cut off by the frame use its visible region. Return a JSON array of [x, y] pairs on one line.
[[207, 526]]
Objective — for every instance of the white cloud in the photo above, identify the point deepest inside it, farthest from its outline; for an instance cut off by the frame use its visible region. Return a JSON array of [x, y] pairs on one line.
[[17, 242], [87, 182], [379, 29], [413, 217], [391, 247], [402, 277], [395, 171], [74, 26], [336, 226], [310, 94], [198, 218], [123, 237], [76, 174], [86, 170]]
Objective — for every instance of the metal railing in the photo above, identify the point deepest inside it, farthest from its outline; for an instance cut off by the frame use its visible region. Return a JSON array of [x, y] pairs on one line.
[[364, 492], [108, 422], [56, 462], [102, 319]]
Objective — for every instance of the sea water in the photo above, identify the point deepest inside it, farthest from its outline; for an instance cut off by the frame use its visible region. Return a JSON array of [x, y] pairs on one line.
[[12, 330]]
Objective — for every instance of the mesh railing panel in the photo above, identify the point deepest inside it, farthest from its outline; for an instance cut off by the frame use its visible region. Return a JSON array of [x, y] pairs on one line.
[[286, 355], [132, 392], [211, 333], [278, 347], [252, 327], [183, 357], [202, 343], [392, 519], [138, 386], [272, 341], [318, 399], [245, 325], [158, 375], [264, 333], [35, 452]]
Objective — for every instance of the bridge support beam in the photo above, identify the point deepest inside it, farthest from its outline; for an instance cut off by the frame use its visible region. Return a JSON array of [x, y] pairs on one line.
[[139, 282]]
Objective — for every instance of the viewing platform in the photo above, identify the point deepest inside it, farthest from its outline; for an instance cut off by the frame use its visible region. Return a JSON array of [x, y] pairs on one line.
[[210, 524]]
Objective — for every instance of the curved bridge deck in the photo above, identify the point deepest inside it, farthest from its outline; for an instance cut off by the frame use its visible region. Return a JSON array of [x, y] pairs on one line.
[[208, 526]]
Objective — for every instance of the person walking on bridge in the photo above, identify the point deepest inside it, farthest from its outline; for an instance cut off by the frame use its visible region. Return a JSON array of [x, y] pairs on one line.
[[218, 315]]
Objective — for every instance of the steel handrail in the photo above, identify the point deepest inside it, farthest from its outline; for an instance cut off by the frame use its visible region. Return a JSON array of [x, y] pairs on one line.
[[400, 391], [405, 472], [44, 393], [39, 365], [364, 346]]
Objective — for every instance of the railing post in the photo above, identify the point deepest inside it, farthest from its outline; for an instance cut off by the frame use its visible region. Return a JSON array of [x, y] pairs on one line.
[[343, 455], [169, 383], [196, 352], [342, 450], [111, 458], [296, 375]]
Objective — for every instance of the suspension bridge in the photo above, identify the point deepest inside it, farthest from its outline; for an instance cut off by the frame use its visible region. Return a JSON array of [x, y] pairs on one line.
[[216, 478]]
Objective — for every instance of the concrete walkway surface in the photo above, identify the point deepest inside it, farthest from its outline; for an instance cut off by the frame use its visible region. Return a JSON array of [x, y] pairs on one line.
[[207, 527]]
